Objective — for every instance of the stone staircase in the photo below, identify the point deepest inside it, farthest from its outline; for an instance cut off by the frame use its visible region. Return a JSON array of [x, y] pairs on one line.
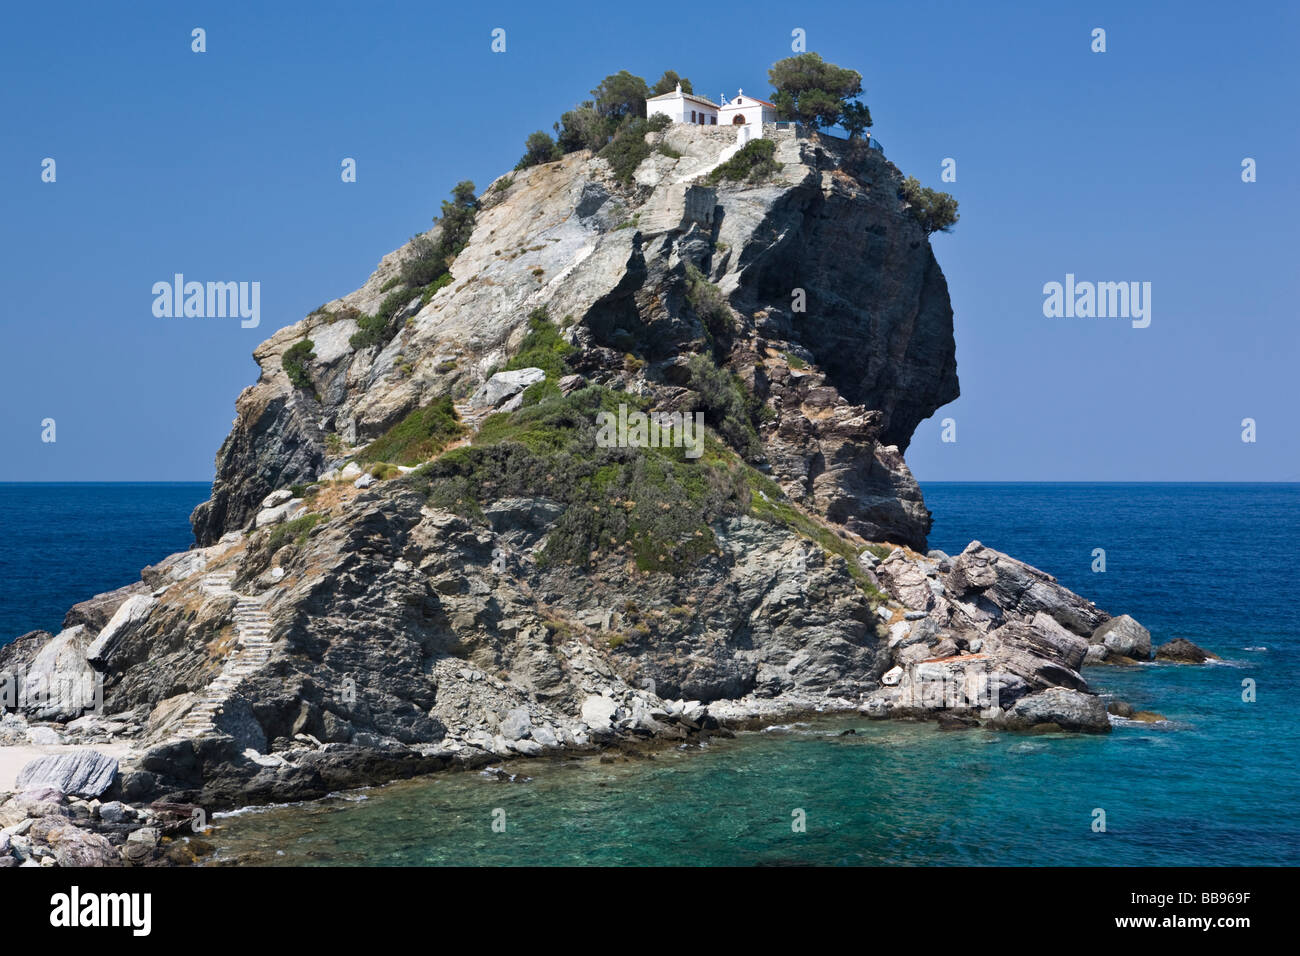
[[471, 417], [252, 651]]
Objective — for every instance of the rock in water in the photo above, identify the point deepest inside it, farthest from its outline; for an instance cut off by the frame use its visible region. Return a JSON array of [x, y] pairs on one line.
[[1124, 636], [1183, 650], [83, 773], [1067, 709]]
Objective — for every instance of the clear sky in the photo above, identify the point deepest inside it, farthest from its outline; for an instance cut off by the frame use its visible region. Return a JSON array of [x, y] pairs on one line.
[[1115, 166]]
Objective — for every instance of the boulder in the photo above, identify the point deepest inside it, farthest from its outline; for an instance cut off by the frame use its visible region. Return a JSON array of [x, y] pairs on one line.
[[85, 773], [129, 614], [504, 385], [277, 498], [76, 847], [516, 724], [1182, 650], [1067, 709], [598, 713], [60, 684], [1124, 636]]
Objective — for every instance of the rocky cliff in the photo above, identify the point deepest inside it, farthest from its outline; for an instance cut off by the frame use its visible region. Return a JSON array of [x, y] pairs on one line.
[[419, 553]]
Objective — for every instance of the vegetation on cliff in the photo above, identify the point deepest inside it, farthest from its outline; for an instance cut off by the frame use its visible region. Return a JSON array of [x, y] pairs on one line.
[[417, 437]]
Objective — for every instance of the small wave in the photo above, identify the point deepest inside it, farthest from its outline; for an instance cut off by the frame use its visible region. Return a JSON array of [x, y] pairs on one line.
[[1259, 647], [260, 808], [783, 728]]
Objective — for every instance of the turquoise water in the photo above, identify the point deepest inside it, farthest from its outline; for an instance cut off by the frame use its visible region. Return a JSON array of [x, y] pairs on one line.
[[1217, 785]]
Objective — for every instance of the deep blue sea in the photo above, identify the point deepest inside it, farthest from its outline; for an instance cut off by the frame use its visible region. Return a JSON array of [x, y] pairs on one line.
[[64, 543], [1218, 784]]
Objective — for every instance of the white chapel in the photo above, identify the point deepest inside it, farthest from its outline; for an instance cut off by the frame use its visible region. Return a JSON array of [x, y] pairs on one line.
[[688, 108]]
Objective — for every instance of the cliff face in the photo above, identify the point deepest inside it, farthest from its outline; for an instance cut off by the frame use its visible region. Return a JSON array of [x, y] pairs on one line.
[[842, 322], [531, 589]]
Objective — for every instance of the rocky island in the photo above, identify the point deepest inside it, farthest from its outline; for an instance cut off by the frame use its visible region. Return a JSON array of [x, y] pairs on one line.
[[417, 557]]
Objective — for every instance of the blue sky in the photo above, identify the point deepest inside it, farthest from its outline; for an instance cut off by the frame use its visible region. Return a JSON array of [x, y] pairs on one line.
[[1115, 166]]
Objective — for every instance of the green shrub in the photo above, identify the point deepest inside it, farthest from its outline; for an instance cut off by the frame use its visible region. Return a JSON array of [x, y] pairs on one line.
[[294, 362], [650, 505], [433, 287], [299, 529], [935, 211], [708, 302], [417, 437], [543, 348], [371, 331], [729, 407], [539, 148], [426, 263], [753, 162], [628, 149]]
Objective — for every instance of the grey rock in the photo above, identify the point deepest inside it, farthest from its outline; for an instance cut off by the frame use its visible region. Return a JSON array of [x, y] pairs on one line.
[[516, 724], [129, 614], [86, 773], [1068, 709], [503, 385], [1125, 636]]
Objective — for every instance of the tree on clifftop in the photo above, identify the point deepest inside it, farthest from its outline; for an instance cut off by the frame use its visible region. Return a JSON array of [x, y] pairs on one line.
[[855, 117], [811, 91], [668, 83], [621, 95], [539, 148]]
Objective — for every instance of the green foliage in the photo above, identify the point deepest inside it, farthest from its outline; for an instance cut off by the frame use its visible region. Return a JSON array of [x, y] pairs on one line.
[[628, 149], [881, 551], [294, 362], [753, 162], [417, 437], [668, 82], [539, 148], [582, 128], [502, 184], [795, 361], [426, 263], [441, 282], [652, 505], [621, 95], [935, 211], [299, 529], [457, 219], [729, 407], [855, 117], [371, 330], [543, 348], [709, 304], [811, 91]]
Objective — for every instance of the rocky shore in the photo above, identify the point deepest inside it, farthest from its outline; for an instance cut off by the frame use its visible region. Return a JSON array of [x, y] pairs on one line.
[[418, 555]]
